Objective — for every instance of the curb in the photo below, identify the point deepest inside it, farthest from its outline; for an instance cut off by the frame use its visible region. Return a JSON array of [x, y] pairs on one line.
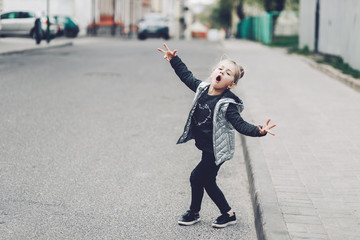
[[333, 73], [269, 221], [35, 49]]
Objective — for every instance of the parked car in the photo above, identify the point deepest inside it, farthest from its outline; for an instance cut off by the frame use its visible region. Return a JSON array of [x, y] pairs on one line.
[[23, 23], [67, 27], [153, 25]]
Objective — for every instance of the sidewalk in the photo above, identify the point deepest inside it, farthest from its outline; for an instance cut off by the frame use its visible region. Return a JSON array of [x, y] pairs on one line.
[[15, 45], [305, 181]]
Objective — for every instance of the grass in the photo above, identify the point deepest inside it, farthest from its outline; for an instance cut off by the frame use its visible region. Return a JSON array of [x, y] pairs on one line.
[[338, 63], [335, 61], [285, 41], [292, 42], [303, 51]]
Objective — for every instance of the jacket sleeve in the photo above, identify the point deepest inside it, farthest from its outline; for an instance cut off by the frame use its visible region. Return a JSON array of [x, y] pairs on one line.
[[184, 74], [243, 127]]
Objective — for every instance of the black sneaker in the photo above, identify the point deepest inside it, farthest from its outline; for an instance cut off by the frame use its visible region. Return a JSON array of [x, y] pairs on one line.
[[224, 220], [189, 218]]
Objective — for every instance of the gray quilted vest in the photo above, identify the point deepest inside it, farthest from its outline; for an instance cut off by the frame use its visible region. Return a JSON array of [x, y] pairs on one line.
[[223, 131]]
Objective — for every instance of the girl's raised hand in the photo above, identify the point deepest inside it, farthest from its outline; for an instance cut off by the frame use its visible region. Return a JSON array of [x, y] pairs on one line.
[[265, 129], [168, 54]]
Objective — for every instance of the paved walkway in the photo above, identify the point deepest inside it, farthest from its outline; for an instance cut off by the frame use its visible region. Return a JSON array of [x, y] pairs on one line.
[[13, 45], [306, 179]]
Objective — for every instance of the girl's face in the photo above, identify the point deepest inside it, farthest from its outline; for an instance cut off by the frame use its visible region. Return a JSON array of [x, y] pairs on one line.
[[222, 77]]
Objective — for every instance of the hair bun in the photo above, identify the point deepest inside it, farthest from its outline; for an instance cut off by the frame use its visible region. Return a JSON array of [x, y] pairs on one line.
[[242, 71]]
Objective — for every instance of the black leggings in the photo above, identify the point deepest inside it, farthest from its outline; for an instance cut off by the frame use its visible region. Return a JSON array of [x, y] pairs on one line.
[[204, 176]]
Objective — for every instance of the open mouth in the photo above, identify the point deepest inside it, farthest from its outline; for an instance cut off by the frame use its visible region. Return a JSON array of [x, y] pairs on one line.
[[218, 78]]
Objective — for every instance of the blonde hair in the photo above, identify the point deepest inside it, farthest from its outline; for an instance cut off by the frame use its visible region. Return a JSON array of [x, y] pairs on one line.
[[239, 70]]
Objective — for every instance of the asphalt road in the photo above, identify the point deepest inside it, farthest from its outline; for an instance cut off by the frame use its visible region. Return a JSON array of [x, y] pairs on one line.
[[87, 147]]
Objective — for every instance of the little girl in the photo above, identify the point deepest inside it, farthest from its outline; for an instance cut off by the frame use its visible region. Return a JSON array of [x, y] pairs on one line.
[[214, 115]]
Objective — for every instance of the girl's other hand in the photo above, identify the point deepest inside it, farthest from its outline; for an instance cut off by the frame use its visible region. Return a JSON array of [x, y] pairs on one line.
[[168, 54], [265, 129]]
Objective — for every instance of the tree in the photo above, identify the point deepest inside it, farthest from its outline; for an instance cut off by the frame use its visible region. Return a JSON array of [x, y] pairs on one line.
[[274, 5], [240, 9], [221, 14]]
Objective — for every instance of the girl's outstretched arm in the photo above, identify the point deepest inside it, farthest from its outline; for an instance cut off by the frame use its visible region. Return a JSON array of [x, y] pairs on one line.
[[180, 68], [243, 127]]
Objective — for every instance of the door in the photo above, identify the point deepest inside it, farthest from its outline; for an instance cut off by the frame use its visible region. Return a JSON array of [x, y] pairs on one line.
[[9, 23], [26, 22]]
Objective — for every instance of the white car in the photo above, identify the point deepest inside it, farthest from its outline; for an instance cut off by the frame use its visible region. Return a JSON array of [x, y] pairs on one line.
[[23, 23], [153, 25]]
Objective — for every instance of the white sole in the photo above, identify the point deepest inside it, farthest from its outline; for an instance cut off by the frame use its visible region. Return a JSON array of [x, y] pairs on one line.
[[188, 223], [223, 225]]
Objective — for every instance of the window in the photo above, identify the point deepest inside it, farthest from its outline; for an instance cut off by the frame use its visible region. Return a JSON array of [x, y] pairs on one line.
[[26, 15], [5, 16], [10, 15]]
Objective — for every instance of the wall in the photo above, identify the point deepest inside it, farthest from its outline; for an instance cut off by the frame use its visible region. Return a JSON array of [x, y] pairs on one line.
[[307, 23], [82, 12], [339, 28]]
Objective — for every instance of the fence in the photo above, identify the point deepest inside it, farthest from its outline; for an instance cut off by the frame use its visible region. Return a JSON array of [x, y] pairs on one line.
[[338, 29], [261, 28], [256, 28]]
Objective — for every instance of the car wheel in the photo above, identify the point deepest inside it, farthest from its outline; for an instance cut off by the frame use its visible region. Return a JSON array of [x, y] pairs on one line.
[[141, 36], [70, 34], [166, 36]]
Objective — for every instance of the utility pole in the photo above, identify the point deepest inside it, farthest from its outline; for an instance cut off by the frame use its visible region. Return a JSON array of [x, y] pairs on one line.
[[113, 28], [48, 21], [93, 29], [317, 23]]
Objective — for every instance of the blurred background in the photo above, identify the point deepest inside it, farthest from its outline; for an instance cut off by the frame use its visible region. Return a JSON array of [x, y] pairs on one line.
[[305, 25], [186, 18]]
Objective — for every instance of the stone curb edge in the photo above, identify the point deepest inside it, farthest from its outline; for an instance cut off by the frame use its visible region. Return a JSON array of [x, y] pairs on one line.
[[332, 72], [269, 221], [35, 49]]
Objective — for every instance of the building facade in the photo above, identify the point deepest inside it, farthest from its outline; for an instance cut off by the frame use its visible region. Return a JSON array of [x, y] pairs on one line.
[[117, 16], [101, 16]]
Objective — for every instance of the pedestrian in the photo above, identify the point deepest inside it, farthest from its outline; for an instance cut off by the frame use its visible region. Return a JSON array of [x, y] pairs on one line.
[[214, 115]]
